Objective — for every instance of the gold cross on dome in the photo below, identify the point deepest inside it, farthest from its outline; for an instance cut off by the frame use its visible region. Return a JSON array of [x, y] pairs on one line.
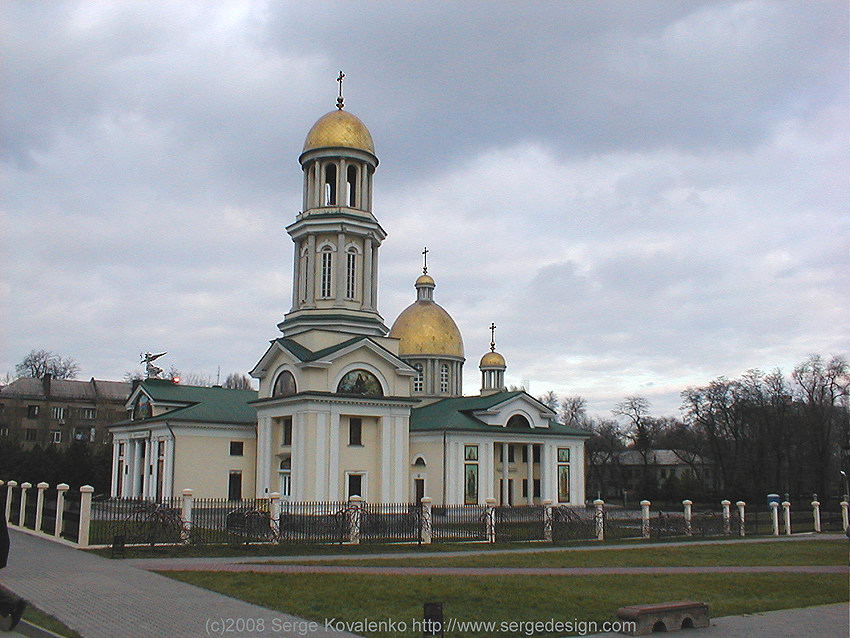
[[492, 337], [339, 100], [425, 262]]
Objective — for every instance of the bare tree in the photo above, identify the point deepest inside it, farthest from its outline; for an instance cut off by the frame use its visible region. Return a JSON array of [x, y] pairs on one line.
[[238, 381], [574, 412], [40, 362], [641, 431], [550, 400]]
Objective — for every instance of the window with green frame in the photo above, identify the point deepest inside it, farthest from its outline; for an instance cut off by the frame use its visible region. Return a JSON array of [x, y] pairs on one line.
[[563, 475], [470, 474]]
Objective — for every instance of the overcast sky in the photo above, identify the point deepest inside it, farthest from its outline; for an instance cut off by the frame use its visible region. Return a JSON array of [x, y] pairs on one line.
[[642, 195]]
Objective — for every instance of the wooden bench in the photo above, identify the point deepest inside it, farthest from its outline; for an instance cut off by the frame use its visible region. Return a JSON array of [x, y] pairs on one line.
[[672, 616]]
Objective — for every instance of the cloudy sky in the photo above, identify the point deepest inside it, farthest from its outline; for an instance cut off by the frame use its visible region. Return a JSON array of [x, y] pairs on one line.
[[642, 195]]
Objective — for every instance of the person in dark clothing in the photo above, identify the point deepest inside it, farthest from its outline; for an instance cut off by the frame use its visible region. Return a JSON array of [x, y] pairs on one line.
[[10, 605]]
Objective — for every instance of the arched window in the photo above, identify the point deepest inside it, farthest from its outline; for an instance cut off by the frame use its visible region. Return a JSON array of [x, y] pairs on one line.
[[330, 184], [351, 273], [351, 182], [419, 462], [418, 383], [284, 385], [360, 382], [285, 477], [327, 268], [444, 378], [518, 421]]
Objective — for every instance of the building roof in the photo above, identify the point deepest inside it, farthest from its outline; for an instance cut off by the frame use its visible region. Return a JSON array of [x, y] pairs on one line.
[[201, 404], [657, 457], [339, 129], [458, 414], [70, 389]]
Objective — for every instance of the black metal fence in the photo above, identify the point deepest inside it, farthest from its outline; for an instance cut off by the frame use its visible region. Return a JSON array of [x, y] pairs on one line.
[[315, 522], [218, 520], [522, 523], [48, 511], [459, 523], [621, 524], [71, 517], [29, 509], [134, 521], [570, 524], [15, 511], [391, 522]]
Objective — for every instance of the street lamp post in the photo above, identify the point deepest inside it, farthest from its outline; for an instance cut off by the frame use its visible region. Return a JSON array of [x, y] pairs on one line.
[[846, 489]]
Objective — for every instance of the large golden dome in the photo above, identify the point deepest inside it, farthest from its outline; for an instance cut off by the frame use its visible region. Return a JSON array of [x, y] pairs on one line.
[[339, 129], [425, 328]]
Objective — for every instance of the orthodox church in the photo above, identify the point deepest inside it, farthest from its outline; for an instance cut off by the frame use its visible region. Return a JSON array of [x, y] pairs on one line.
[[347, 406]]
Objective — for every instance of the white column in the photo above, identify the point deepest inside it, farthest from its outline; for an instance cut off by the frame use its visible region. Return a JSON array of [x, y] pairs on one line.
[[168, 479], [25, 486], [529, 451], [774, 517], [9, 487], [727, 519], [786, 516], [504, 493], [688, 504], [426, 516], [274, 511], [599, 519], [186, 511], [333, 459], [816, 515], [137, 468], [146, 468], [85, 515], [491, 520], [547, 520], [488, 471], [113, 487], [155, 443], [298, 458], [385, 425], [296, 276], [367, 273], [742, 520], [258, 470], [845, 515], [547, 468], [375, 278], [311, 271], [361, 189], [459, 474], [321, 438], [341, 181], [401, 459], [304, 190], [341, 274], [644, 518], [318, 186]]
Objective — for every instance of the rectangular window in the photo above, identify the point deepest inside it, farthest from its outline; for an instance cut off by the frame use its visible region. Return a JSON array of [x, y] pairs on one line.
[[236, 448], [537, 488], [536, 453], [32, 434], [234, 486], [355, 431], [470, 482], [563, 483], [32, 411], [285, 483], [59, 413], [418, 383], [326, 273], [4, 431], [287, 431], [525, 488], [510, 454], [444, 378], [355, 485], [351, 271], [88, 413], [80, 434], [56, 436]]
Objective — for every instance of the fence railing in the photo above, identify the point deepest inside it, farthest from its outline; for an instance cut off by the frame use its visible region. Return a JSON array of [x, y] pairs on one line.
[[71, 515]]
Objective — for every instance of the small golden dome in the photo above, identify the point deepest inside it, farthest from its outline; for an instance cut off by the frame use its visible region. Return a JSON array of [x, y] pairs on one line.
[[339, 129], [492, 360], [425, 328], [425, 280]]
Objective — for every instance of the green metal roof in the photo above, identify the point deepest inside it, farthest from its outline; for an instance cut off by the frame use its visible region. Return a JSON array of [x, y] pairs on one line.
[[206, 405], [457, 414], [303, 354]]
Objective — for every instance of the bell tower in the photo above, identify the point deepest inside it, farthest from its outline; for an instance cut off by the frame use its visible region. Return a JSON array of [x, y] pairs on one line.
[[336, 236]]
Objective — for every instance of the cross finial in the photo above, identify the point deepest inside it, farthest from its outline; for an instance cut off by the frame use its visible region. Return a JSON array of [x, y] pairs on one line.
[[425, 261], [492, 337], [339, 99]]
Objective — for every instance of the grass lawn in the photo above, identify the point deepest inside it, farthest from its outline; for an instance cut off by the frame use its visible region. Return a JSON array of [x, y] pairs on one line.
[[45, 621], [514, 598], [812, 552]]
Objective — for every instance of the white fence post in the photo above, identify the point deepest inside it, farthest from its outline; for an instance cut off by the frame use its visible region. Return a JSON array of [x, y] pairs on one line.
[[39, 505], [816, 514], [742, 520], [599, 518], [490, 517], [356, 518], [24, 487], [644, 518], [85, 515], [786, 516], [426, 520], [727, 517], [186, 512], [774, 516], [547, 520], [60, 509], [688, 505], [845, 515], [12, 485], [274, 511]]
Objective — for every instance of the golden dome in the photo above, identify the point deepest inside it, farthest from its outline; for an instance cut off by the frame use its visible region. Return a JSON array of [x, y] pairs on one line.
[[492, 360], [425, 280], [425, 328], [339, 129]]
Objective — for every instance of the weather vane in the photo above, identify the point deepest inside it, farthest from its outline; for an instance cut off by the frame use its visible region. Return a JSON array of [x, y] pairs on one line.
[[425, 264], [151, 371], [339, 99], [492, 337]]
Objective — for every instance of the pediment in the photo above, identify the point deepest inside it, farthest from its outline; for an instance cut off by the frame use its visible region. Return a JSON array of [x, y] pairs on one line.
[[498, 414]]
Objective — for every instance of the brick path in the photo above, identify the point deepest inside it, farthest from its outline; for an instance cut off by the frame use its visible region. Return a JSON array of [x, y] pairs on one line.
[[103, 598]]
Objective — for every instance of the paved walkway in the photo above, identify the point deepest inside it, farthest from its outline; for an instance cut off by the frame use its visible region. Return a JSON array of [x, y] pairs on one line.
[[826, 621], [102, 598]]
